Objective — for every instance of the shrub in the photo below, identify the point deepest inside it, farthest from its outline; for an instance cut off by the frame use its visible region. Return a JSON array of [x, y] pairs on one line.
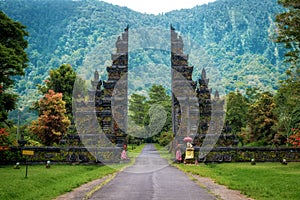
[[165, 138]]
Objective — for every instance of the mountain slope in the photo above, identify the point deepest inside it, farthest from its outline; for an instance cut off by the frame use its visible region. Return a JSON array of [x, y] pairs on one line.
[[231, 39]]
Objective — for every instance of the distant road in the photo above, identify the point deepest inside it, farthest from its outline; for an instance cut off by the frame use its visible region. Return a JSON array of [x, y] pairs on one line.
[[151, 178]]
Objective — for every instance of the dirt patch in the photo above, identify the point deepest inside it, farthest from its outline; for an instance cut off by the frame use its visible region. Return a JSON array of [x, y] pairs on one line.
[[220, 191]]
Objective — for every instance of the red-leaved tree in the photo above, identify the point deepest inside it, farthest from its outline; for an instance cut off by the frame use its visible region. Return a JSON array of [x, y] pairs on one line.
[[4, 140], [294, 139], [52, 122]]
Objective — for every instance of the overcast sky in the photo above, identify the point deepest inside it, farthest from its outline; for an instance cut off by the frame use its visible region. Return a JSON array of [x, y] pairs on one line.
[[157, 6]]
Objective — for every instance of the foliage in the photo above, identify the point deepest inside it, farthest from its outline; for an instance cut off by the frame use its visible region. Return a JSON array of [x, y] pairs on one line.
[[13, 61], [253, 94], [158, 95], [288, 109], [31, 142], [7, 103], [225, 36], [52, 123], [5, 141], [288, 95], [261, 119], [61, 80], [288, 30], [143, 111], [137, 108], [294, 139], [165, 138], [236, 112], [4, 137]]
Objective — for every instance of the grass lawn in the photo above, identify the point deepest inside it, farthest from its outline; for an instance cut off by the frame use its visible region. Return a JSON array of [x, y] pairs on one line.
[[45, 183], [260, 181]]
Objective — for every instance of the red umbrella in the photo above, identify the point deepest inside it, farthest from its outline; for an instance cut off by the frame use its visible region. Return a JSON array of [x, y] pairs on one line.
[[188, 139]]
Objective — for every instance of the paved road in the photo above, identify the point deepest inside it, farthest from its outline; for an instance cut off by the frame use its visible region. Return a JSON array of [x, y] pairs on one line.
[[151, 178]]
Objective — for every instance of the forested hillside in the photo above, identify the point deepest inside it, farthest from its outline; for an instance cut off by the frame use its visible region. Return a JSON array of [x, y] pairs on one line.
[[231, 37]]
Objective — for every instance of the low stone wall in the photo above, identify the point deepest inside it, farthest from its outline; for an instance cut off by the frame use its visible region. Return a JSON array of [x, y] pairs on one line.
[[245, 154], [110, 155], [62, 155]]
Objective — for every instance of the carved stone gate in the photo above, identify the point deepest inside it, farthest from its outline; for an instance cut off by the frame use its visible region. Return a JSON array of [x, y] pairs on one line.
[[181, 78]]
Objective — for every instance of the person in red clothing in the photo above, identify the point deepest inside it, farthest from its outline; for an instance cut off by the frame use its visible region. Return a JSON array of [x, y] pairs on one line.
[[178, 154]]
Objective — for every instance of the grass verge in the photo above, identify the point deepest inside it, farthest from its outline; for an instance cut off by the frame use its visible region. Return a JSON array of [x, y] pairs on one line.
[[263, 181], [43, 183]]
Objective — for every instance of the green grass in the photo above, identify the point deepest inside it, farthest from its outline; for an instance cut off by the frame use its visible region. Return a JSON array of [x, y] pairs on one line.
[[164, 153], [43, 183], [261, 181]]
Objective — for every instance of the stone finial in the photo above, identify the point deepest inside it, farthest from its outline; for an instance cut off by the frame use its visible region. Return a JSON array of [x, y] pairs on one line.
[[96, 75], [217, 95], [122, 42], [203, 74], [127, 27], [176, 42], [172, 28]]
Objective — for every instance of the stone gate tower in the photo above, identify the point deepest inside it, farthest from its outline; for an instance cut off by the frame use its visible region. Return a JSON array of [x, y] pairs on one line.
[[111, 95], [187, 120]]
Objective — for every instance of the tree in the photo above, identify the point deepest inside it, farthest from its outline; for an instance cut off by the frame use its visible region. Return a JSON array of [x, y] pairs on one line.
[[4, 137], [294, 139], [261, 120], [288, 107], [253, 94], [61, 80], [13, 61], [52, 122], [288, 95], [236, 112], [148, 113], [288, 24], [158, 95], [137, 108]]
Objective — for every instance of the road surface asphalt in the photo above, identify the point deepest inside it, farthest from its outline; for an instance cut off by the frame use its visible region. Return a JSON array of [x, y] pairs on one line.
[[151, 177]]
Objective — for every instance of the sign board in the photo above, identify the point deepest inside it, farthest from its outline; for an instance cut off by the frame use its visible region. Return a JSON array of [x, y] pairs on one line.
[[28, 152]]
